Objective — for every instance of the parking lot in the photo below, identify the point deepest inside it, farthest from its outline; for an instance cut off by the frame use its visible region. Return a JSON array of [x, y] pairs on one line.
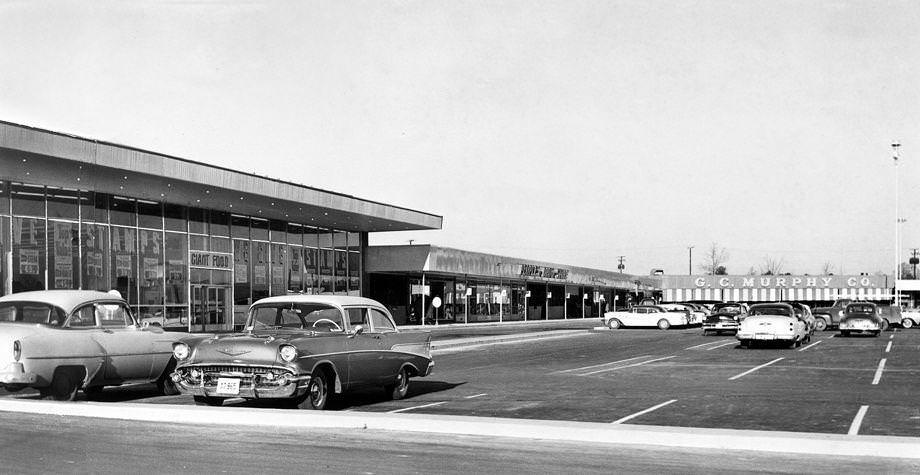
[[853, 385]]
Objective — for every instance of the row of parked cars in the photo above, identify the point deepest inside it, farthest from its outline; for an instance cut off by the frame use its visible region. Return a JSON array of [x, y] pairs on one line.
[[787, 323], [300, 350]]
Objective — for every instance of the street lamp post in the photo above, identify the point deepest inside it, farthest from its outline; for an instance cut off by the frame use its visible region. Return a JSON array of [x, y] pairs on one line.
[[690, 263], [897, 228], [500, 292]]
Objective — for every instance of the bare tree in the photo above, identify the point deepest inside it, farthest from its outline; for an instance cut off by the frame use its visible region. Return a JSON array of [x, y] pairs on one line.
[[772, 266], [827, 268], [714, 259]]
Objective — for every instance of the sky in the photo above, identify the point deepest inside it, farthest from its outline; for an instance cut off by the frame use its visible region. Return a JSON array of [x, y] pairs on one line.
[[565, 131]]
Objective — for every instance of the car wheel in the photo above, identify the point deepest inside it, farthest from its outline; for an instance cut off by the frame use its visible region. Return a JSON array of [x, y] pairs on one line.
[[613, 324], [820, 325], [401, 387], [907, 323], [208, 401], [317, 396], [664, 324], [64, 386], [165, 384]]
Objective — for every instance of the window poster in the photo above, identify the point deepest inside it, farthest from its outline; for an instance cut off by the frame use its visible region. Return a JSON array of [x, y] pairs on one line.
[[258, 274], [94, 263], [151, 266], [122, 265], [240, 273], [28, 261]]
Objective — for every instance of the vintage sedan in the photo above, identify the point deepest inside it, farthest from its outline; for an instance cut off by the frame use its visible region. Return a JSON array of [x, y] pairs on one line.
[[647, 316], [59, 341], [304, 350], [861, 317], [725, 317], [772, 322]]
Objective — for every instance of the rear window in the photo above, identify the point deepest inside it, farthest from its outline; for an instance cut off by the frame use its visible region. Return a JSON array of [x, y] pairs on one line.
[[861, 309], [31, 312], [787, 312]]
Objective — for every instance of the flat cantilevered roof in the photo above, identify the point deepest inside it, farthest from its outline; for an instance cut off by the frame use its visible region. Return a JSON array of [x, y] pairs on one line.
[[39, 156]]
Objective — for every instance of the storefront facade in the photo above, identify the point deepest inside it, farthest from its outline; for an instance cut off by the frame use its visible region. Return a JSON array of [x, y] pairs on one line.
[[448, 285], [774, 288], [188, 245]]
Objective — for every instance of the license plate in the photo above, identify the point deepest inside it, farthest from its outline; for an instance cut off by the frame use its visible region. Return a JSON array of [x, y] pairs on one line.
[[763, 336], [228, 386]]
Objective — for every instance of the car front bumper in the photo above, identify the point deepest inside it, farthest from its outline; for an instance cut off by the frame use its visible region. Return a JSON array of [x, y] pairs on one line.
[[244, 385], [16, 375], [721, 326]]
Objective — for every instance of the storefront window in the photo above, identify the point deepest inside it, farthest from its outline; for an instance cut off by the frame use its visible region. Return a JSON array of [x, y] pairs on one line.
[[199, 243], [325, 271], [28, 200], [260, 270], [28, 254], [5, 253], [220, 223], [354, 273], [152, 267], [279, 261], [4, 197], [63, 203], [65, 255], [122, 211], [124, 262], [94, 207], [239, 227], [354, 242], [295, 234], [556, 302], [278, 231], [241, 272], [176, 268], [95, 266], [259, 229], [198, 221], [295, 269], [220, 244], [176, 217], [311, 237], [149, 214], [341, 272], [311, 270]]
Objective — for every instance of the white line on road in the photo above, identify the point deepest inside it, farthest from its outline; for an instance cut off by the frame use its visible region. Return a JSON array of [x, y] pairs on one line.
[[888, 348], [857, 421], [626, 366], [731, 342], [704, 344], [753, 369], [878, 372], [416, 407], [811, 345], [603, 364], [475, 396], [891, 337], [620, 421]]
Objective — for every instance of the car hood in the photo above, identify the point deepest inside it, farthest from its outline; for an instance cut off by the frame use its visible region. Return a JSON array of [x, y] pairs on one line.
[[256, 348]]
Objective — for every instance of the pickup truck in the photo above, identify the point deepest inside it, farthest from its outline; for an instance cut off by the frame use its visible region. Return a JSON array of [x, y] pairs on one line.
[[827, 317]]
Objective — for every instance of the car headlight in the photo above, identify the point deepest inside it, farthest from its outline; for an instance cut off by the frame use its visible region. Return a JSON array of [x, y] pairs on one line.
[[17, 350], [181, 351], [288, 353]]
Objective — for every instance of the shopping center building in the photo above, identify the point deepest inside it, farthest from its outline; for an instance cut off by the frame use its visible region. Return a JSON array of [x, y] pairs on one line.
[[455, 286], [189, 245], [774, 288]]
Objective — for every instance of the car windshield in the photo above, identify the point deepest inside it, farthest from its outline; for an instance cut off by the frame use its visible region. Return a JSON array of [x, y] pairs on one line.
[[31, 312], [772, 310], [310, 316], [868, 309], [727, 309]]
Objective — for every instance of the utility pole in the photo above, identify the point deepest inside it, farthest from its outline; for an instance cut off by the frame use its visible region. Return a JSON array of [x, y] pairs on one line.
[[914, 260], [690, 266], [897, 228], [621, 260]]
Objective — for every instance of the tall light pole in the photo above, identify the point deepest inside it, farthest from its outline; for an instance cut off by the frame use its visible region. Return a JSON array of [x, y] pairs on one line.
[[500, 292], [690, 264], [897, 228]]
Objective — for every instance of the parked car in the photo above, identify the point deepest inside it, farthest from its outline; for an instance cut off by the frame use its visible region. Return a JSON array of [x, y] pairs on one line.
[[775, 322], [699, 310], [861, 317], [803, 313], [59, 341], [303, 350], [725, 317], [909, 318], [695, 316], [646, 316]]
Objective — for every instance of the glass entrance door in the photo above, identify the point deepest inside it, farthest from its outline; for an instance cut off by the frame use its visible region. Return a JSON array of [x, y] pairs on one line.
[[210, 308]]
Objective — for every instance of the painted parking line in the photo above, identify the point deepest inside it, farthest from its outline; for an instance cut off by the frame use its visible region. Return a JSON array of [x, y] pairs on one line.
[[878, 372], [888, 348], [891, 337], [811, 345], [704, 344], [857, 421], [646, 411], [416, 407], [754, 369], [731, 342], [602, 364], [625, 366], [475, 396]]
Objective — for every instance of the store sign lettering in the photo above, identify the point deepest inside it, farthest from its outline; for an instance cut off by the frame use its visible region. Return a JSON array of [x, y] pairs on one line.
[[787, 282], [531, 270], [209, 260]]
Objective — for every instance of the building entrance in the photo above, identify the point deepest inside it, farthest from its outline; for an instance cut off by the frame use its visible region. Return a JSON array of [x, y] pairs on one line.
[[210, 308]]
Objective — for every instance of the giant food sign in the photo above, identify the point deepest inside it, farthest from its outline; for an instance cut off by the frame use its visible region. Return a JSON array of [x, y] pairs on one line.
[[774, 282]]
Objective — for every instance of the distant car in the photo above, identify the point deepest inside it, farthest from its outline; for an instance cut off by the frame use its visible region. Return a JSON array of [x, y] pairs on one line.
[[646, 316], [773, 322], [303, 350], [803, 313], [696, 315], [725, 317], [861, 317], [59, 341]]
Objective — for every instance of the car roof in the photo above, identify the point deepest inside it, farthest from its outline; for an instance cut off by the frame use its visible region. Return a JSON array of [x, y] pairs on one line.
[[65, 299], [334, 300]]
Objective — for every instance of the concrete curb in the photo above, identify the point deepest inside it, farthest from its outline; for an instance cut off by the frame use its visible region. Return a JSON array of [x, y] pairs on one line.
[[593, 432]]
